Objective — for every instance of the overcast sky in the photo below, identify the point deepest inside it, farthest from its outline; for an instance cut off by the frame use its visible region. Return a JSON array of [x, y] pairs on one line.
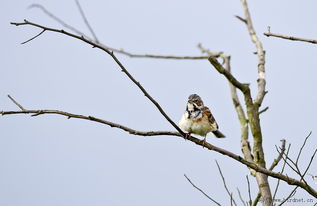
[[50, 160]]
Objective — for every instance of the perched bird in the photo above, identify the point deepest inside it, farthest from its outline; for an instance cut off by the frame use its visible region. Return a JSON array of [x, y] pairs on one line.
[[198, 119]]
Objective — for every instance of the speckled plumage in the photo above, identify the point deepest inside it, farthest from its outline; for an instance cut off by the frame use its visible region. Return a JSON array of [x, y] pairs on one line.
[[198, 119]]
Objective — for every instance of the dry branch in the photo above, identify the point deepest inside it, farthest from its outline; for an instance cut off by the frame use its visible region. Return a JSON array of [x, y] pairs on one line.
[[94, 119], [16, 103], [280, 155], [200, 190], [282, 170], [123, 69], [82, 13], [244, 125], [197, 141], [225, 185], [119, 51], [292, 38], [243, 87], [253, 110], [260, 53]]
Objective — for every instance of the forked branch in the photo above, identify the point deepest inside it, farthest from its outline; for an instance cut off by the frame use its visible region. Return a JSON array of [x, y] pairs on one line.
[[195, 140], [260, 53], [123, 69], [119, 51]]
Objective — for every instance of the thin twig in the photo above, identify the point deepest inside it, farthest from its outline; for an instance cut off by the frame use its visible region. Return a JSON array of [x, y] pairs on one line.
[[280, 155], [123, 69], [309, 164], [120, 51], [231, 199], [292, 38], [57, 19], [263, 110], [282, 170], [33, 37], [241, 19], [256, 200], [225, 185], [249, 190], [240, 197], [82, 13], [301, 149], [293, 192], [200, 190], [295, 163], [286, 159], [16, 103]]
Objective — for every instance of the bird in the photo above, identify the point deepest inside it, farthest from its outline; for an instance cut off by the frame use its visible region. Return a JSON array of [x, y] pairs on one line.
[[197, 119]]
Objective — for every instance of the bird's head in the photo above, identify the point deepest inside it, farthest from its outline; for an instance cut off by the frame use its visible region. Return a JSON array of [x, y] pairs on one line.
[[195, 102]]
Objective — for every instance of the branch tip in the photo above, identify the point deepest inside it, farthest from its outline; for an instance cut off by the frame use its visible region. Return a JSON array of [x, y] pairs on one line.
[[16, 103], [241, 19]]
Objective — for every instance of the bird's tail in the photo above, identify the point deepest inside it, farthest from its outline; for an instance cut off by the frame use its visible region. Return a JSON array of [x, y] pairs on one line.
[[218, 134]]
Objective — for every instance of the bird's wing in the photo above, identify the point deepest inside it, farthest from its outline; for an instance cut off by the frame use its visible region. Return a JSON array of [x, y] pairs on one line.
[[211, 118]]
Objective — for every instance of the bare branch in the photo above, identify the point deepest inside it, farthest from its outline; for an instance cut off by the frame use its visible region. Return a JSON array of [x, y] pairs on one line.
[[16, 103], [309, 164], [289, 196], [123, 69], [82, 13], [58, 20], [120, 51], [283, 167], [280, 155], [225, 185], [249, 190], [231, 199], [240, 197], [241, 19], [195, 140], [258, 168], [33, 37], [295, 166], [263, 110], [260, 53], [285, 158], [243, 87], [301, 149], [208, 52], [252, 110], [256, 200], [292, 38], [94, 119], [200, 190], [245, 144]]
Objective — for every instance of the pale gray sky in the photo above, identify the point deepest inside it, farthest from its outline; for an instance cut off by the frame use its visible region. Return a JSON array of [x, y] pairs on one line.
[[50, 160]]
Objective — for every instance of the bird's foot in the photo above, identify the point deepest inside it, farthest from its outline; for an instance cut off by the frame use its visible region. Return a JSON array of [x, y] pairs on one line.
[[203, 142], [187, 135]]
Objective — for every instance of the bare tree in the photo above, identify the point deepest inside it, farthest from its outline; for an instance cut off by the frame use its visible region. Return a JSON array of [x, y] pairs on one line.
[[248, 110]]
